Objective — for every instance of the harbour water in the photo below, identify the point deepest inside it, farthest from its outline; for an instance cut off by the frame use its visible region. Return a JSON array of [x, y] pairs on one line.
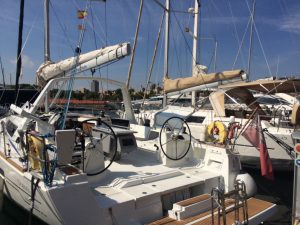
[[278, 191]]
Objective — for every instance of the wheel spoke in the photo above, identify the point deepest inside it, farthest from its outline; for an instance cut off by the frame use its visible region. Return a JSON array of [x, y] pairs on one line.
[[179, 133], [176, 149], [168, 141]]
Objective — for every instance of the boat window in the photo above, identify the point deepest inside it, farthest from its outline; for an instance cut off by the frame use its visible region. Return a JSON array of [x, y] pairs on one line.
[[195, 119], [11, 128], [181, 101], [271, 101]]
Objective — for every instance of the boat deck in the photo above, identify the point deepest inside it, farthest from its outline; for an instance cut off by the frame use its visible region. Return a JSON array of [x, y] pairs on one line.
[[255, 209]]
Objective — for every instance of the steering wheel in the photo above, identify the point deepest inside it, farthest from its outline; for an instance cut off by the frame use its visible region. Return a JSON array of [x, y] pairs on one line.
[[177, 131], [107, 133]]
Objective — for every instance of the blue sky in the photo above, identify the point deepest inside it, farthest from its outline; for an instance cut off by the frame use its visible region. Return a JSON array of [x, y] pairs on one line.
[[276, 21]]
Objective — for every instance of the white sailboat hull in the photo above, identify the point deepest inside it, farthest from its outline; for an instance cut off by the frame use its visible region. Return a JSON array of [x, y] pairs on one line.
[[249, 155]]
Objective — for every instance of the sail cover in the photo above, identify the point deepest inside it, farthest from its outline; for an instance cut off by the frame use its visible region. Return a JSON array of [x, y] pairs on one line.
[[268, 86], [178, 84], [49, 70]]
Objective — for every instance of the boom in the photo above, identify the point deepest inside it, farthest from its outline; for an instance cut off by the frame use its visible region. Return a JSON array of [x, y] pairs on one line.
[[50, 70]]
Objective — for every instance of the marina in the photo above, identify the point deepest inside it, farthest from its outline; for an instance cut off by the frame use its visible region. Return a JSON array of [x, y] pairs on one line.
[[209, 146]]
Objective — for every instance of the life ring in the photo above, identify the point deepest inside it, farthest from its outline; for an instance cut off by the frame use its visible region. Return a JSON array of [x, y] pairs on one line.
[[216, 132]]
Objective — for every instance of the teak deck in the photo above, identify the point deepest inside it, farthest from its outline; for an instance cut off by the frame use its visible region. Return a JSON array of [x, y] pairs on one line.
[[255, 206]]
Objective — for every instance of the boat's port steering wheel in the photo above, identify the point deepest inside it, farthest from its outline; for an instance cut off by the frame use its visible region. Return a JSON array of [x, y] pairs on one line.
[[177, 131], [108, 134]]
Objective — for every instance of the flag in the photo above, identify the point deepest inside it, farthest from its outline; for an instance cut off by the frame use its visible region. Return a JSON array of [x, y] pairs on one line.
[[254, 134], [81, 14], [80, 27]]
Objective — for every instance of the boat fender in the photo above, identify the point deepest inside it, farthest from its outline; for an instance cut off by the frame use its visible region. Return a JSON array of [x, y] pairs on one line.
[[216, 132], [249, 182], [232, 128]]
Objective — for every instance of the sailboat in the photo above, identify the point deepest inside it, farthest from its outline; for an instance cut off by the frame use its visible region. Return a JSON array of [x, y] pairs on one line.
[[227, 85], [68, 169]]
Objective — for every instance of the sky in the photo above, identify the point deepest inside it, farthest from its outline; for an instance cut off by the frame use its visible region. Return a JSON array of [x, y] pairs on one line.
[[275, 49]]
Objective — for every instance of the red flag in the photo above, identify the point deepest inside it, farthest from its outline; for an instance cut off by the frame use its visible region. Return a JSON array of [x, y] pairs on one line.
[[80, 27], [254, 134]]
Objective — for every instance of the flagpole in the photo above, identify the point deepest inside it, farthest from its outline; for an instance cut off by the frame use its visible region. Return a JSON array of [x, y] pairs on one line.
[[250, 117]]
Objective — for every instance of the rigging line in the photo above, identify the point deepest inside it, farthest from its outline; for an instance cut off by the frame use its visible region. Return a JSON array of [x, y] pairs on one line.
[[211, 60], [101, 84], [191, 54], [25, 42], [61, 26], [259, 39], [105, 19], [99, 70], [87, 20], [200, 75], [176, 52], [94, 34], [185, 40], [153, 57], [27, 37], [241, 44], [102, 30], [235, 29], [285, 10], [95, 42], [73, 72], [217, 9]]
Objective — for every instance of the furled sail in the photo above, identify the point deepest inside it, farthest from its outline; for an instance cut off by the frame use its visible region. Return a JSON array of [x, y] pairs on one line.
[[178, 84], [50, 70]]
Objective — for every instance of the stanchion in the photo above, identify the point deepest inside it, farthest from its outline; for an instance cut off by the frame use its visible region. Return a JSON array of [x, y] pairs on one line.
[[2, 180]]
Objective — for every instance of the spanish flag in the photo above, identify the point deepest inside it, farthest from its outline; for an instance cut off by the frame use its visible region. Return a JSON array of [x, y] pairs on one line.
[[81, 14]]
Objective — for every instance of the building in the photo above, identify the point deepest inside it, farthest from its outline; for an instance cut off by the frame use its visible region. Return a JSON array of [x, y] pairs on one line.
[[95, 86]]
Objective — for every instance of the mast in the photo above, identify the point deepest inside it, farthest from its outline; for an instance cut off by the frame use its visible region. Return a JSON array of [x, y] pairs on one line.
[[46, 33], [19, 57], [195, 41], [251, 38], [166, 57], [134, 44], [2, 71]]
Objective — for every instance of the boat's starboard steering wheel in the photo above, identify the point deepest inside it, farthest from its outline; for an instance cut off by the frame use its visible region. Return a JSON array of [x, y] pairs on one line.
[[177, 131], [107, 133]]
